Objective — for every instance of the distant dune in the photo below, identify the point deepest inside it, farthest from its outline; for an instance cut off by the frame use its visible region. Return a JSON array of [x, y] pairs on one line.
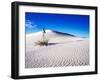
[[63, 50]]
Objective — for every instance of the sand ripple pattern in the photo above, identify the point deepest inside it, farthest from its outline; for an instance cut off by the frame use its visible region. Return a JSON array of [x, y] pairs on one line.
[[74, 53]]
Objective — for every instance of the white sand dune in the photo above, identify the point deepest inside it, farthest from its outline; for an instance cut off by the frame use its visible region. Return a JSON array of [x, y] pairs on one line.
[[63, 50]]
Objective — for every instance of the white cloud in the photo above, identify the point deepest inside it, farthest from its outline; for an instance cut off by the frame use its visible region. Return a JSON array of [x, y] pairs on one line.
[[30, 24]]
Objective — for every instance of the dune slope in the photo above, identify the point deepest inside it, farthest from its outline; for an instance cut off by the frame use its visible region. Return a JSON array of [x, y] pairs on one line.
[[62, 51]]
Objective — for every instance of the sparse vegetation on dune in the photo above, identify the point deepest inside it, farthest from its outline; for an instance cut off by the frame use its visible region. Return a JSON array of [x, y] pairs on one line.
[[42, 42]]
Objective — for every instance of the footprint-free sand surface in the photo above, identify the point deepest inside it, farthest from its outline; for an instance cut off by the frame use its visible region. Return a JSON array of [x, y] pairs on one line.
[[62, 51]]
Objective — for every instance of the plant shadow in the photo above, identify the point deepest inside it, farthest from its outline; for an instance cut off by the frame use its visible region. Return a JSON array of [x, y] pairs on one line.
[[52, 43]]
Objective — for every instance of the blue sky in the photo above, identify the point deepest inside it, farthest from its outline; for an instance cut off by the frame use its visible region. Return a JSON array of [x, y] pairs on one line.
[[73, 24]]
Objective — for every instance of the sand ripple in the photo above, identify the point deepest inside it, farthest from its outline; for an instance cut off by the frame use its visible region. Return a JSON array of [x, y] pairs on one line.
[[74, 53]]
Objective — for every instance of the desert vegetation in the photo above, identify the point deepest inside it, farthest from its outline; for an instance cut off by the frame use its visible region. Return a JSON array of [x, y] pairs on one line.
[[43, 41]]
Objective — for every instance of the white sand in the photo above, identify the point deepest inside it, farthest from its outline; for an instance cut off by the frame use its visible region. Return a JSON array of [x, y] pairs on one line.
[[61, 51]]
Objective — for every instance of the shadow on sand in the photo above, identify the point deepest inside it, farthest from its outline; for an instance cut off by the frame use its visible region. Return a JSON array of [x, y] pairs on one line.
[[63, 42], [52, 43]]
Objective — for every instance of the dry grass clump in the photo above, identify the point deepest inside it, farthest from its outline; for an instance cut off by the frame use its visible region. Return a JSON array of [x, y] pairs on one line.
[[42, 42]]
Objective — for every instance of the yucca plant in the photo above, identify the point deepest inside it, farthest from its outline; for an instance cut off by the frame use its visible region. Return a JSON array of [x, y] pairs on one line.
[[43, 41]]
